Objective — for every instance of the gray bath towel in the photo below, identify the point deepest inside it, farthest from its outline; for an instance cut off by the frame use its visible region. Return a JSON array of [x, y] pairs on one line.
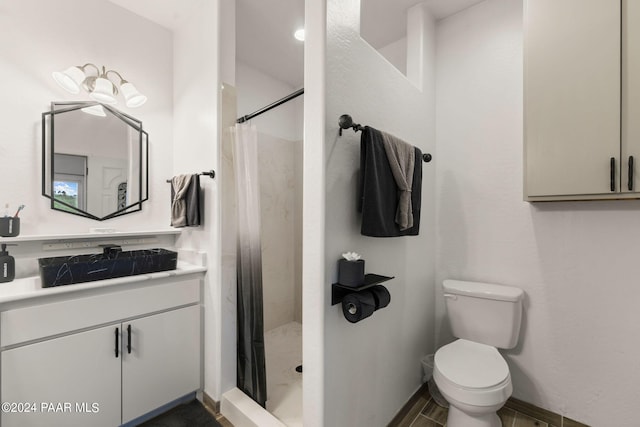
[[179, 187], [401, 158]]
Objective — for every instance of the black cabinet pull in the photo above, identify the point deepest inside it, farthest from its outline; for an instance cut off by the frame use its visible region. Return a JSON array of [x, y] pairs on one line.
[[613, 174], [129, 339], [117, 341], [630, 183]]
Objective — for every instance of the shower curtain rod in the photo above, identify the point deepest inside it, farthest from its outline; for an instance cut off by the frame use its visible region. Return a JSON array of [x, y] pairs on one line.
[[270, 106]]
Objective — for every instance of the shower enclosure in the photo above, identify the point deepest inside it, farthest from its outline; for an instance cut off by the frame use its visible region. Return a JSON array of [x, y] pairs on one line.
[[277, 290], [266, 95], [281, 196]]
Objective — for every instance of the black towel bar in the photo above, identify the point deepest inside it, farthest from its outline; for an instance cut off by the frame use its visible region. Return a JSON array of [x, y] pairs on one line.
[[211, 174], [345, 122]]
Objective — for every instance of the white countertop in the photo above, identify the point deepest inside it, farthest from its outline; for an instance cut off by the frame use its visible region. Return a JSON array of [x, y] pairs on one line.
[[30, 287], [87, 236]]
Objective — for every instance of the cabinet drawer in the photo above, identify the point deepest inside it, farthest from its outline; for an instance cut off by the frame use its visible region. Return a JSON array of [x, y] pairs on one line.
[[41, 321]]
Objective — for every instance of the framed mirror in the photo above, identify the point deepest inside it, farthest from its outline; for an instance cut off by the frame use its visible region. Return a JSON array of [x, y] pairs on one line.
[[95, 160]]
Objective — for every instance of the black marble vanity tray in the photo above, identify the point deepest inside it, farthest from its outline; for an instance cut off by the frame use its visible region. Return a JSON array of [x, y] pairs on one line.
[[67, 270]]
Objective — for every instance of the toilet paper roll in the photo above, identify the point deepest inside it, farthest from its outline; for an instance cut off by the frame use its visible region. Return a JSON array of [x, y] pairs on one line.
[[358, 305], [381, 296]]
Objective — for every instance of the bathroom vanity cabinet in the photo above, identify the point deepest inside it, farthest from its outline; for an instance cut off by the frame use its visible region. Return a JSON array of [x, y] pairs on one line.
[[101, 358], [582, 89]]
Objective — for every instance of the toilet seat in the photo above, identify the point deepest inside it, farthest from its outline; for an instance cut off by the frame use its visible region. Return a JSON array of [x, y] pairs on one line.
[[472, 373]]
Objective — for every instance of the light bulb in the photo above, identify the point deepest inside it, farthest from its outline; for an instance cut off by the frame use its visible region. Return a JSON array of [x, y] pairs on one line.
[[69, 79], [103, 91], [132, 97]]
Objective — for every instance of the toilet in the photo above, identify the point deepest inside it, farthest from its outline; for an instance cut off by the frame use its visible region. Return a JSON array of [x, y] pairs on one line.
[[470, 372]]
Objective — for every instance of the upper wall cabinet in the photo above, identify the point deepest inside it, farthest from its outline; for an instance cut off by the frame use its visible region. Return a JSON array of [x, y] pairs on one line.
[[582, 87]]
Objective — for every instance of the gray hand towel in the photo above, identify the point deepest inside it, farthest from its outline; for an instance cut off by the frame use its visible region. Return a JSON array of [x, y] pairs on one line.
[[401, 158], [179, 185]]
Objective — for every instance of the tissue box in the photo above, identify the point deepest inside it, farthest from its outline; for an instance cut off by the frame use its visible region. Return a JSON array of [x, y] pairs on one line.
[[351, 273], [9, 226]]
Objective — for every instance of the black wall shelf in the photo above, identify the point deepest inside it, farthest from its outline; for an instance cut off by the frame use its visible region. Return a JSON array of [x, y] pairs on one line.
[[338, 291]]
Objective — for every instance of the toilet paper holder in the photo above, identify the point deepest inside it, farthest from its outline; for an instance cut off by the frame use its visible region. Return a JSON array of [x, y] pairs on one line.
[[338, 291]]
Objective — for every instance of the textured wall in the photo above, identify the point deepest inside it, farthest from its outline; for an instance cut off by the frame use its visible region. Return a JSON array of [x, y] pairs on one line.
[[199, 118], [576, 261], [373, 367]]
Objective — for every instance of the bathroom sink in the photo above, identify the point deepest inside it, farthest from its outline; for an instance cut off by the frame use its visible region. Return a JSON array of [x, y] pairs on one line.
[[112, 263]]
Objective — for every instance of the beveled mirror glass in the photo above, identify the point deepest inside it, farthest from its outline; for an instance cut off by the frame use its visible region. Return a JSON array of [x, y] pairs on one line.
[[94, 160]]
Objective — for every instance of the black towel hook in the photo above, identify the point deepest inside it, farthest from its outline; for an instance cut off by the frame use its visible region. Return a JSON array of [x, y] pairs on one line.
[[345, 122]]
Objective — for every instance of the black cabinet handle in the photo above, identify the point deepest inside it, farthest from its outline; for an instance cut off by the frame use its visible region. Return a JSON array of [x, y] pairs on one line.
[[630, 183], [613, 174], [129, 339], [117, 341]]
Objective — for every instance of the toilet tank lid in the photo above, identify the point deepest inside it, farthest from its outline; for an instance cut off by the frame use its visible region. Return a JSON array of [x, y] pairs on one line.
[[483, 290]]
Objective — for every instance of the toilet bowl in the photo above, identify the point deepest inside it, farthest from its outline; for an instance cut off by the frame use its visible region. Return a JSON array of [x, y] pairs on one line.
[[475, 380], [470, 372]]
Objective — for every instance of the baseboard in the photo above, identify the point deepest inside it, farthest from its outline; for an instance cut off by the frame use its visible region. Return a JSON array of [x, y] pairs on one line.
[[210, 403]]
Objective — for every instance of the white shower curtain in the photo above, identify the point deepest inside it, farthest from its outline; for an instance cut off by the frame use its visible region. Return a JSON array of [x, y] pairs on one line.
[[251, 373]]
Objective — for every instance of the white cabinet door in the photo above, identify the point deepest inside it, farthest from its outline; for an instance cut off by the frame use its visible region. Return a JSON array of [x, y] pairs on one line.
[[572, 97], [164, 362], [73, 381], [630, 96]]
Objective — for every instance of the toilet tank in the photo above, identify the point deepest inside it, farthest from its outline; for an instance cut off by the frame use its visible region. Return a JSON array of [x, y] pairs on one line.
[[483, 312]]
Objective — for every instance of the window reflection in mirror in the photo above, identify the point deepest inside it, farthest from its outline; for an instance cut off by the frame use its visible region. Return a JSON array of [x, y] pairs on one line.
[[69, 182]]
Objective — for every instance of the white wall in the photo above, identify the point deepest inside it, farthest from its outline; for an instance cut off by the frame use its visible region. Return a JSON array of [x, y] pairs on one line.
[[298, 176], [198, 73], [576, 261], [42, 37], [371, 368], [396, 53], [255, 90], [314, 215]]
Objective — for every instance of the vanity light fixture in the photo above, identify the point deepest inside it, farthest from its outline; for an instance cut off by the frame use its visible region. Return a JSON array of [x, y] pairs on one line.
[[99, 86], [299, 34]]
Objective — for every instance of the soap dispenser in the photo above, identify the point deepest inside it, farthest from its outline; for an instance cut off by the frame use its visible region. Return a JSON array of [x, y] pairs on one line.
[[7, 265]]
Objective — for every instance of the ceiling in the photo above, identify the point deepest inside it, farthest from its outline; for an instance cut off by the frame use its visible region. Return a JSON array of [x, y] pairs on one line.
[[264, 28], [264, 38]]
